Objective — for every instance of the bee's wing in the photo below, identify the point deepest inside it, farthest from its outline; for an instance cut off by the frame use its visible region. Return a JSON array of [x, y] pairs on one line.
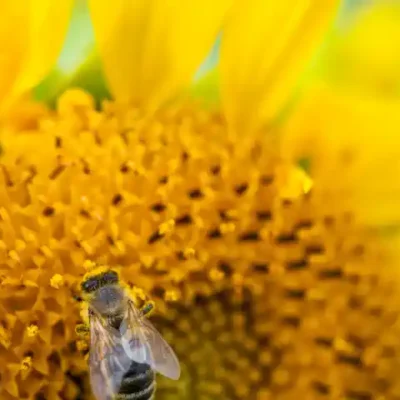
[[108, 361], [144, 344]]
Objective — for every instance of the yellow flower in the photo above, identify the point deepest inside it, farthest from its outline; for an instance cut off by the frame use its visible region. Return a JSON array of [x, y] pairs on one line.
[[365, 54], [151, 51], [359, 147], [264, 288], [31, 36]]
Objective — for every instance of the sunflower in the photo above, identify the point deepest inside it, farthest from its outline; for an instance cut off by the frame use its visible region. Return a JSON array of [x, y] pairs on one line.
[[268, 281], [364, 53]]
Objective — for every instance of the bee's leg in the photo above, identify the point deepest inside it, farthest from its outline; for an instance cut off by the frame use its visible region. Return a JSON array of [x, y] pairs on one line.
[[147, 309], [82, 330]]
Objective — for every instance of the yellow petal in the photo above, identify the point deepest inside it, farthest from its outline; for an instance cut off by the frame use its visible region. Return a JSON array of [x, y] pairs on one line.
[[363, 56], [265, 46], [31, 36], [353, 144], [14, 22], [48, 24], [151, 48]]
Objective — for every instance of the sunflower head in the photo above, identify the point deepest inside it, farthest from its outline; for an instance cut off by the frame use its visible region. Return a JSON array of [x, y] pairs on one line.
[[268, 280]]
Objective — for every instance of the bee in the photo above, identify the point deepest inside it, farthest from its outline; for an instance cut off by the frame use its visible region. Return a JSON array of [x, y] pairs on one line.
[[125, 349]]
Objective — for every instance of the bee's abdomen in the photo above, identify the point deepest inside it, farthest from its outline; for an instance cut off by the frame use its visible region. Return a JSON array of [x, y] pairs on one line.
[[138, 383]]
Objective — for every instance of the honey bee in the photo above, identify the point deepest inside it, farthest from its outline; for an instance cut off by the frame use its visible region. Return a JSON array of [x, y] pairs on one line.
[[125, 349]]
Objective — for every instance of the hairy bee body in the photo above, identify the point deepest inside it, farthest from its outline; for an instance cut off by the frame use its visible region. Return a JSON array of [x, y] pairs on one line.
[[139, 381], [126, 350]]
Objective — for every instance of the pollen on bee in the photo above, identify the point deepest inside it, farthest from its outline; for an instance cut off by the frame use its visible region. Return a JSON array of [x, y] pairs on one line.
[[56, 281], [32, 330]]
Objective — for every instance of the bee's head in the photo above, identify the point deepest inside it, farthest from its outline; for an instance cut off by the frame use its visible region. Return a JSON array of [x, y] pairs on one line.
[[98, 278]]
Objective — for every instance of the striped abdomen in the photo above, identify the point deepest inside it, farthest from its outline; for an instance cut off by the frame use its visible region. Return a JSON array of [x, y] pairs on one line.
[[138, 383]]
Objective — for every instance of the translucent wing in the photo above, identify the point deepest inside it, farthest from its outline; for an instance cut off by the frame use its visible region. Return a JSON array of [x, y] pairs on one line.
[[108, 361], [144, 344]]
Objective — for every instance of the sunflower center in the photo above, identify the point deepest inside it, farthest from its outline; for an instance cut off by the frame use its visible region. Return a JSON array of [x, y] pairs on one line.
[[248, 268]]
